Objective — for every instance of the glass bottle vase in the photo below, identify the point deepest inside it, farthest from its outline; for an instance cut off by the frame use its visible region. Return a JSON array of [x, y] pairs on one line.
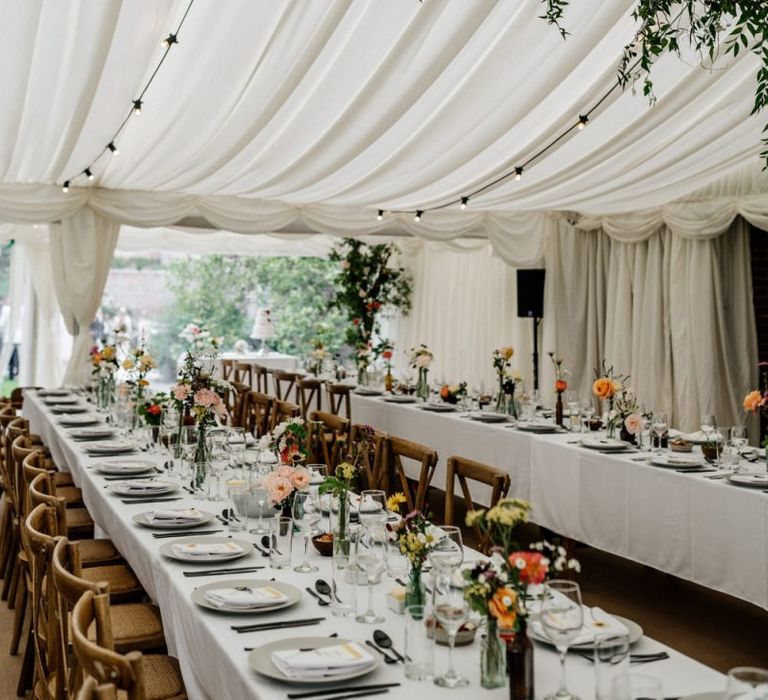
[[520, 663], [415, 591], [493, 661], [422, 387], [201, 459]]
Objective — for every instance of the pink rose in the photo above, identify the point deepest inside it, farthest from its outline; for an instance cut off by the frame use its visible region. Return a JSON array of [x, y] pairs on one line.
[[634, 423], [206, 397], [180, 392], [423, 361], [279, 489], [300, 477], [286, 471]]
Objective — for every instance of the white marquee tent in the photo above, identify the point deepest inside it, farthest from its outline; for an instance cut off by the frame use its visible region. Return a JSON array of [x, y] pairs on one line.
[[280, 116]]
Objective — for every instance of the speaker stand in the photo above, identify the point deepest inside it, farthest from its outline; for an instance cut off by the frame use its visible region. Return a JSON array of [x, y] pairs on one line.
[[536, 322]]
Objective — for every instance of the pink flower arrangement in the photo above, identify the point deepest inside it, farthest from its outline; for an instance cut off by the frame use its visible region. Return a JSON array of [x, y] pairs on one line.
[[755, 400], [180, 392], [283, 483], [634, 423]]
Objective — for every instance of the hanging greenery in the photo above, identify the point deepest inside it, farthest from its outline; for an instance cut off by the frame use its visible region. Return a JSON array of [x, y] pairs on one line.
[[711, 28], [369, 281]]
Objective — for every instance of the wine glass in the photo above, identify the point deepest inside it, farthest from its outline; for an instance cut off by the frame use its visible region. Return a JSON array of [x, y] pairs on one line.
[[188, 444], [371, 559], [260, 497], [451, 611], [241, 499], [636, 686], [372, 508], [236, 441], [747, 682], [707, 425], [306, 512], [659, 426], [448, 553], [218, 460], [562, 618]]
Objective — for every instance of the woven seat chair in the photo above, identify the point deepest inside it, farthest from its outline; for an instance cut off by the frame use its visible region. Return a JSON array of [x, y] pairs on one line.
[[285, 383], [258, 413], [123, 584], [366, 448], [309, 391], [91, 690], [465, 470], [260, 378], [327, 438], [142, 677], [394, 476], [7, 414], [17, 395], [282, 410], [340, 396], [243, 374]]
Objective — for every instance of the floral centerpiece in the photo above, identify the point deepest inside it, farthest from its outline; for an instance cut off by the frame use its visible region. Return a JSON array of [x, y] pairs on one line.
[[104, 366], [283, 484], [152, 409], [420, 359], [138, 364], [289, 438], [607, 387], [630, 415], [561, 384], [415, 537], [340, 485], [363, 357], [317, 357], [756, 401], [198, 337], [453, 393], [501, 358]]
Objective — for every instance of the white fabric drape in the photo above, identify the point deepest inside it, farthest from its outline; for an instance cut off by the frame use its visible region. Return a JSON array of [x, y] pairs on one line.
[[674, 313], [81, 251]]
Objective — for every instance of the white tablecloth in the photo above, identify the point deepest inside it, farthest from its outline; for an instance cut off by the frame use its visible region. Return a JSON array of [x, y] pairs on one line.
[[272, 360], [212, 657], [707, 531]]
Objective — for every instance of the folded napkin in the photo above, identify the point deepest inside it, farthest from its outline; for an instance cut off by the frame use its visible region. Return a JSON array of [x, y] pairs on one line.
[[699, 437], [245, 598], [149, 485], [194, 550], [596, 621], [176, 516], [326, 661]]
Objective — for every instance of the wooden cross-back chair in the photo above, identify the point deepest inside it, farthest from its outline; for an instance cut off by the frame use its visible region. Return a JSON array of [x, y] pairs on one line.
[[243, 374], [258, 414], [260, 378], [91, 690], [285, 383], [238, 403], [366, 447], [282, 410], [140, 676], [310, 391], [17, 395], [9, 526], [227, 367], [327, 438], [339, 397], [394, 473], [465, 470]]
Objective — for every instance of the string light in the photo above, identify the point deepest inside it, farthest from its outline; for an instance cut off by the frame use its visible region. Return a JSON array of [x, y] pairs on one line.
[[464, 202], [111, 146], [65, 187], [519, 173], [380, 215], [583, 121], [87, 172], [137, 107], [419, 212], [169, 41]]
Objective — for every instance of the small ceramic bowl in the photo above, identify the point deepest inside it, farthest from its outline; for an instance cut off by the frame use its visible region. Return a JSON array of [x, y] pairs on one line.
[[464, 637], [680, 446], [323, 543]]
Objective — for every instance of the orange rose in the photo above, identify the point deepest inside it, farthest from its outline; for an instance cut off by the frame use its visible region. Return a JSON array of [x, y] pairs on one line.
[[604, 388], [503, 607], [561, 385], [752, 401]]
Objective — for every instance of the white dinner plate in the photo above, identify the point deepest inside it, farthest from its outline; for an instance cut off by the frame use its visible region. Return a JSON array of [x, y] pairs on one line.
[[634, 630], [96, 433], [756, 480], [53, 392], [678, 461], [260, 660], [489, 417], [438, 407], [596, 443], [141, 519], [398, 398], [365, 391], [293, 594], [536, 426], [698, 438], [110, 447], [140, 489], [79, 421], [124, 467], [166, 549], [61, 401], [67, 410]]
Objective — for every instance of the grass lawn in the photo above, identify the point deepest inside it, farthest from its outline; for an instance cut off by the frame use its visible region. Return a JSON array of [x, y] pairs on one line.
[[8, 386]]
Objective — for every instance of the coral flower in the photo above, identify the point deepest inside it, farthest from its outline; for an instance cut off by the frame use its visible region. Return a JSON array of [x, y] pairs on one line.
[[752, 401], [604, 388], [502, 607], [561, 385], [533, 570], [300, 478]]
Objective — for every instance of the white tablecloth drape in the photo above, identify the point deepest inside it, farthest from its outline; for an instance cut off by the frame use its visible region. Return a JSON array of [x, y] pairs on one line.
[[212, 658], [706, 531]]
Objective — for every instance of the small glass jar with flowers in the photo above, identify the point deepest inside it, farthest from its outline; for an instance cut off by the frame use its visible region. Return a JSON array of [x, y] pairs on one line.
[[501, 358], [561, 384], [104, 366], [339, 486], [607, 387], [420, 360], [415, 537], [138, 364]]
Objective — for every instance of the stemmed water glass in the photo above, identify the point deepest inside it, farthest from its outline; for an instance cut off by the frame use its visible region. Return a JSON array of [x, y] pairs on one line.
[[659, 426], [587, 411], [236, 441], [188, 444], [218, 452], [260, 497], [371, 559], [372, 508], [451, 611], [562, 618], [747, 682], [448, 553], [306, 512], [241, 500]]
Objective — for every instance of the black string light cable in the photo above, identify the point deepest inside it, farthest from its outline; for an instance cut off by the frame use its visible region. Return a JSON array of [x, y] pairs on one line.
[[517, 171], [136, 105]]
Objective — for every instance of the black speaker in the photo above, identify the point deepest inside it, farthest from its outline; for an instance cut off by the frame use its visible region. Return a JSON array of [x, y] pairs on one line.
[[530, 293]]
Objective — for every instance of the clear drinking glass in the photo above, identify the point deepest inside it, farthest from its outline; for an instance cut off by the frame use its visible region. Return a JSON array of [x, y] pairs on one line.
[[370, 558], [280, 541], [241, 497], [660, 428], [218, 462], [562, 617], [343, 585], [419, 648], [236, 442], [188, 442], [611, 660], [306, 512], [451, 611], [636, 686], [372, 508], [747, 682], [260, 497], [448, 554]]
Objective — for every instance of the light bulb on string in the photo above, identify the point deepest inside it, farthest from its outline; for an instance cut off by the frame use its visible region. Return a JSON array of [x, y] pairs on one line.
[[464, 202], [380, 215], [137, 107], [417, 217], [65, 187], [583, 121], [169, 41], [87, 172], [113, 149], [518, 173]]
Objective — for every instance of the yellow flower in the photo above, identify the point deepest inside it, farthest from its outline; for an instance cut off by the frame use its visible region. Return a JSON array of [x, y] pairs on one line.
[[143, 382], [346, 471], [395, 500], [507, 352], [474, 517], [108, 352], [128, 363]]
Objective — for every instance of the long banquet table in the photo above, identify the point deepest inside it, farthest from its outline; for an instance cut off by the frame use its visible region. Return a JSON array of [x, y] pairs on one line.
[[707, 531], [212, 657]]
